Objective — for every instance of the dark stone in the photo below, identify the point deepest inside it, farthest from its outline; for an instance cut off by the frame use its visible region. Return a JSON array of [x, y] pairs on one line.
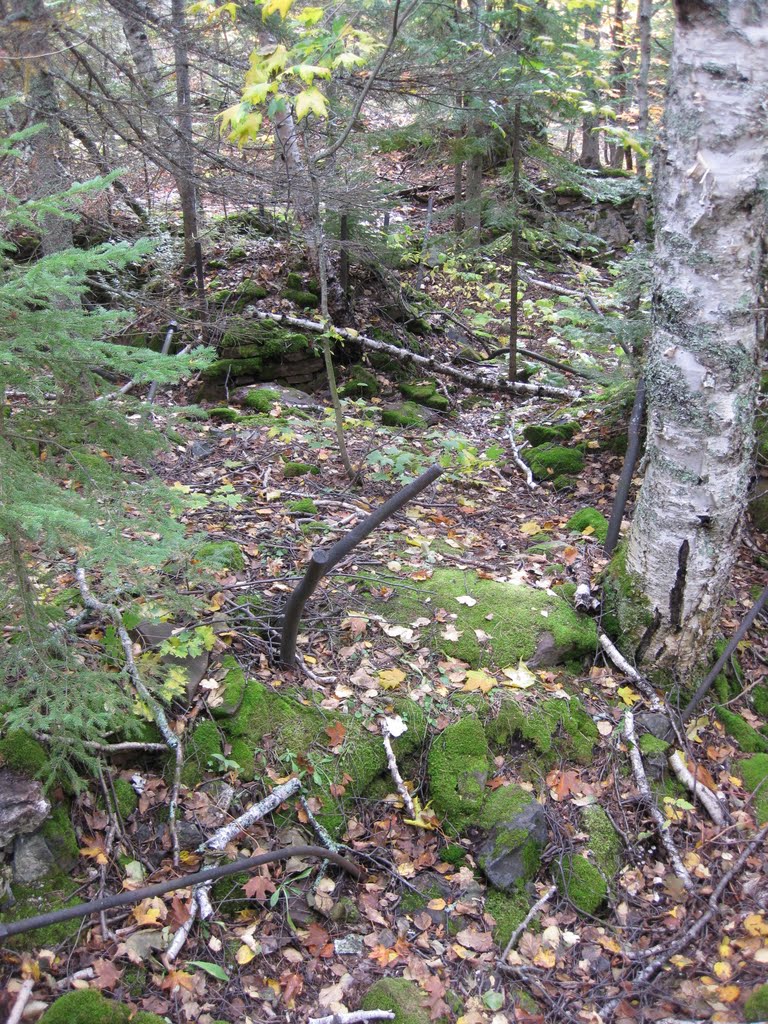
[[32, 859], [23, 808], [548, 653], [505, 856]]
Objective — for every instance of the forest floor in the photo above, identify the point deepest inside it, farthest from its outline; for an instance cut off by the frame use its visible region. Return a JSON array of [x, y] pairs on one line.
[[303, 950]]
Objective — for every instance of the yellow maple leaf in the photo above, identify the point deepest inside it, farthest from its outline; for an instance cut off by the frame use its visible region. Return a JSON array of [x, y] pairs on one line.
[[728, 993], [478, 679], [628, 695], [390, 678], [280, 7], [244, 955], [755, 924], [530, 528], [310, 101], [150, 911], [95, 852]]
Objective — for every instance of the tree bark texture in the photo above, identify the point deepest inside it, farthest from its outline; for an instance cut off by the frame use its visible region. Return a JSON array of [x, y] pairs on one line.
[[702, 371]]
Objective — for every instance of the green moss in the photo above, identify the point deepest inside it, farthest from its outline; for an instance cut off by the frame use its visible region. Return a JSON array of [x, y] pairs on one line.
[[247, 293], [243, 753], [261, 399], [306, 300], [89, 1006], [563, 483], [518, 617], [60, 836], [411, 902], [589, 517], [294, 280], [503, 804], [292, 469], [760, 701], [539, 434], [754, 772], [756, 1006], [508, 910], [749, 739], [582, 883], [549, 461], [604, 840], [458, 766], [453, 854], [248, 345], [650, 744], [626, 613], [220, 555], [554, 727], [22, 752], [127, 801], [55, 891], [228, 896], [403, 998], [405, 415], [223, 414], [305, 505], [361, 384], [201, 748]]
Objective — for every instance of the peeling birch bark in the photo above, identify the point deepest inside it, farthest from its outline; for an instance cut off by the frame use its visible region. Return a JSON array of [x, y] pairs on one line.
[[702, 371]]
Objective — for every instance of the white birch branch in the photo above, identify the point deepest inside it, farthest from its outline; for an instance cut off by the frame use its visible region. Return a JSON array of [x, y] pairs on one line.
[[395, 771], [356, 1017], [706, 797], [22, 998], [227, 834], [518, 460], [624, 666]]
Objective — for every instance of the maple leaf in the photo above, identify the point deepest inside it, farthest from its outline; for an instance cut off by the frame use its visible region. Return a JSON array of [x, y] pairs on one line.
[[95, 851], [259, 887], [178, 979], [520, 678], [391, 678], [106, 974], [383, 956], [150, 911], [628, 695], [336, 733], [477, 679], [317, 940], [480, 942], [435, 990]]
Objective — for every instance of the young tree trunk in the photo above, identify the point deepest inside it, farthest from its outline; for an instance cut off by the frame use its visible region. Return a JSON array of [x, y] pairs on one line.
[[644, 15], [474, 189], [185, 158], [703, 365], [590, 138]]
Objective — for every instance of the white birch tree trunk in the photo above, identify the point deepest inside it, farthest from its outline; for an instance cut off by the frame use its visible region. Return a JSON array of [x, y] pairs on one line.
[[702, 370]]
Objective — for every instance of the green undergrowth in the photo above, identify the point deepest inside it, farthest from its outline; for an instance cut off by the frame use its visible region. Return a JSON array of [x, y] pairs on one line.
[[54, 892], [586, 518], [458, 767], [582, 883], [399, 996], [754, 772], [555, 728], [89, 1006], [508, 910], [756, 1006], [513, 616]]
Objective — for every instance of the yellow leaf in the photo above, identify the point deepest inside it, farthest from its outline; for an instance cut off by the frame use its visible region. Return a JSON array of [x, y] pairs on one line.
[[95, 852], [310, 101], [258, 91], [520, 678], [280, 7], [245, 129], [545, 957], [424, 818], [729, 993], [150, 911], [530, 528], [478, 679], [680, 961], [587, 531], [391, 678], [754, 924], [628, 695], [244, 955], [438, 904], [308, 72], [722, 970]]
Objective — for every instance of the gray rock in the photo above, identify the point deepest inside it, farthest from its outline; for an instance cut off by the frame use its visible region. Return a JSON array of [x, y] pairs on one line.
[[504, 856], [349, 945], [656, 723], [152, 634], [23, 808], [291, 398], [199, 450], [548, 652], [32, 859]]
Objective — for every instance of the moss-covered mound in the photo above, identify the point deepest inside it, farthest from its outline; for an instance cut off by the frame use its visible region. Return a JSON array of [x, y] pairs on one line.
[[549, 461], [292, 469], [539, 434], [405, 415], [425, 393], [556, 728], [756, 1006], [748, 738], [262, 350], [458, 767], [260, 399], [251, 714], [582, 883], [89, 1006], [55, 891], [361, 384], [586, 518], [604, 840], [221, 555], [22, 752], [626, 613], [515, 618], [401, 997], [508, 910], [754, 772]]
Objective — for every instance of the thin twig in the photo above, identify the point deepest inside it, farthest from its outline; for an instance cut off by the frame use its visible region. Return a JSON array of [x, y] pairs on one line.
[[395, 771], [526, 921], [518, 460]]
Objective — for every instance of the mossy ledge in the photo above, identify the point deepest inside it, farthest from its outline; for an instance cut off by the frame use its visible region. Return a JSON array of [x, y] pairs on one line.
[[401, 997], [458, 767], [89, 1006]]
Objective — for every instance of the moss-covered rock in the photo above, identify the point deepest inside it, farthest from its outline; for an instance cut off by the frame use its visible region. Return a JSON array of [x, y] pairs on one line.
[[303, 505], [556, 728], [516, 618], [89, 1006], [756, 1006], [604, 841], [248, 346], [248, 292], [223, 414], [651, 745], [125, 795], [301, 298], [564, 483], [586, 518], [260, 399], [22, 752], [552, 460], [203, 746], [582, 883], [508, 910], [55, 891], [754, 772], [626, 614], [405, 415], [220, 555], [517, 833], [403, 998], [457, 768], [61, 838], [749, 739], [245, 756], [425, 393], [539, 434], [292, 469], [361, 384]]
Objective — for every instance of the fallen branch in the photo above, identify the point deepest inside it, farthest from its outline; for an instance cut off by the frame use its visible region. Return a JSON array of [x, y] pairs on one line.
[[733, 643], [323, 561], [427, 362], [356, 1017], [645, 791], [225, 835], [537, 906], [185, 882], [518, 460], [22, 998], [526, 353], [714, 908], [322, 833], [394, 771], [163, 352], [624, 666], [705, 796]]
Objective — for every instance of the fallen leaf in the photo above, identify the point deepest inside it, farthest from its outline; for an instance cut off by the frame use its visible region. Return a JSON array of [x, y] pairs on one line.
[[480, 942], [106, 974], [258, 887], [530, 528], [628, 695], [478, 679], [465, 599], [336, 733], [150, 911], [390, 678], [521, 678]]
